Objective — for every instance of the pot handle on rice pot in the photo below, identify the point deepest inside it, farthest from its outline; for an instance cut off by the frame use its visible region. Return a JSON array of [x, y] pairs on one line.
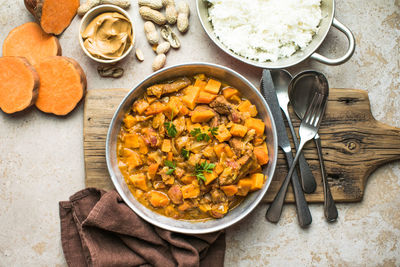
[[350, 50]]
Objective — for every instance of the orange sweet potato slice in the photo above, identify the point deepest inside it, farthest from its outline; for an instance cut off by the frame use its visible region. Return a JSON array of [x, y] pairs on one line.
[[19, 83], [54, 15], [30, 41], [62, 85]]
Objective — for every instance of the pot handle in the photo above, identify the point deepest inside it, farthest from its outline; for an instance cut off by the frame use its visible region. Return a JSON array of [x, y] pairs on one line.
[[350, 50]]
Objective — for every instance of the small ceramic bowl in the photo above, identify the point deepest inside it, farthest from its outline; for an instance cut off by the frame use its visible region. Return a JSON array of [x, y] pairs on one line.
[[90, 15]]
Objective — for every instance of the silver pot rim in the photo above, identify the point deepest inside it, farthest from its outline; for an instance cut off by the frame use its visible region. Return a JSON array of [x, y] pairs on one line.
[[155, 218], [292, 60]]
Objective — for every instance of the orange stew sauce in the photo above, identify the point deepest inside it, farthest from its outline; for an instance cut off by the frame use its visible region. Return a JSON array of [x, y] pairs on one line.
[[192, 148]]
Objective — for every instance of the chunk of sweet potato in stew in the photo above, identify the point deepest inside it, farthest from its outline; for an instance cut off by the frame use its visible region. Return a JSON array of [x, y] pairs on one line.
[[261, 153], [212, 86], [157, 199], [191, 148]]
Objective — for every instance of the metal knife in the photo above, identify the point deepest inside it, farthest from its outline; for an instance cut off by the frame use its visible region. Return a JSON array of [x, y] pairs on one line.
[[275, 209]]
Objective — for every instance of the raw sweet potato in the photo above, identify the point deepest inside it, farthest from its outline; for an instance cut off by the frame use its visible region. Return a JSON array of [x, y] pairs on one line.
[[31, 42], [54, 15], [19, 84], [62, 85]]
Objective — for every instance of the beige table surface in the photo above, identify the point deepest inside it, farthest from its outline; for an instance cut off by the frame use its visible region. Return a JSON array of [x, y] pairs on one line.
[[41, 156]]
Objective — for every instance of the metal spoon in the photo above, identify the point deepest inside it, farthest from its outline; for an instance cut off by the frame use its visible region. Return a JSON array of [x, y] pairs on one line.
[[281, 79], [301, 90]]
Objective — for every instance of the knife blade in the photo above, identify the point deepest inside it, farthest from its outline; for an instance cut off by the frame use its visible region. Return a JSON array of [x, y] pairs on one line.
[[269, 93], [275, 209]]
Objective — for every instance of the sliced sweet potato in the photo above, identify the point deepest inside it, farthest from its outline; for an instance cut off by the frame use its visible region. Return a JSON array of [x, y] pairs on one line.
[[31, 42], [62, 85], [54, 15], [19, 83]]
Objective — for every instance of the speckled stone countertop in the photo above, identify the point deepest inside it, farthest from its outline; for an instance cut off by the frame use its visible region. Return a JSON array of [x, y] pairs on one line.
[[41, 159]]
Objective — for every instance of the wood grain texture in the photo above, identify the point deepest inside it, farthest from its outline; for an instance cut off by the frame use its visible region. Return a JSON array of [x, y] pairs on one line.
[[354, 144]]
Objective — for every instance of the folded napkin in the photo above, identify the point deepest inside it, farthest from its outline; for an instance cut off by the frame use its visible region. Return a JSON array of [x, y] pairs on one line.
[[99, 229]]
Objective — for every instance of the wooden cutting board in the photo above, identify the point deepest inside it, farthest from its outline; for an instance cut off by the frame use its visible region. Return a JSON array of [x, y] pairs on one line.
[[354, 144]]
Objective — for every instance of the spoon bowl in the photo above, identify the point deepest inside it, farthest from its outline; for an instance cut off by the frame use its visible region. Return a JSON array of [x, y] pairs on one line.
[[282, 79], [303, 87]]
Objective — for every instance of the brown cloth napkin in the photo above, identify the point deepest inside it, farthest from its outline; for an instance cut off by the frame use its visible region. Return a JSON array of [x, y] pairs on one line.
[[99, 229]]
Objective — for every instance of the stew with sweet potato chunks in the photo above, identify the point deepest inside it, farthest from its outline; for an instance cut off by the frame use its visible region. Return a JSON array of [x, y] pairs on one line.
[[192, 148]]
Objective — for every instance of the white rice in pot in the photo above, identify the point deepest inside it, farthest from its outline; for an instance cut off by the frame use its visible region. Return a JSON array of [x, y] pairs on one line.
[[265, 30]]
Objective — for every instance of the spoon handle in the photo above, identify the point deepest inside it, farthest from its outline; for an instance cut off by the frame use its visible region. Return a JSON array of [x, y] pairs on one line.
[[330, 210], [307, 178]]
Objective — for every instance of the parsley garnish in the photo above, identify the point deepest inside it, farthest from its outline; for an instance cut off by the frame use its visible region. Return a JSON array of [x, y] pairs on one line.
[[185, 153], [203, 167], [196, 132], [171, 165], [213, 131], [171, 129]]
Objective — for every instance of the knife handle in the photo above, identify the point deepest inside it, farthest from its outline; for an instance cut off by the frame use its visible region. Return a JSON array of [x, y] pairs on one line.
[[275, 209]]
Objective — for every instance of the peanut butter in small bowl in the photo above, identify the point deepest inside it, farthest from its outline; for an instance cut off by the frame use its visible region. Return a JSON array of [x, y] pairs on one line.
[[106, 34]]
